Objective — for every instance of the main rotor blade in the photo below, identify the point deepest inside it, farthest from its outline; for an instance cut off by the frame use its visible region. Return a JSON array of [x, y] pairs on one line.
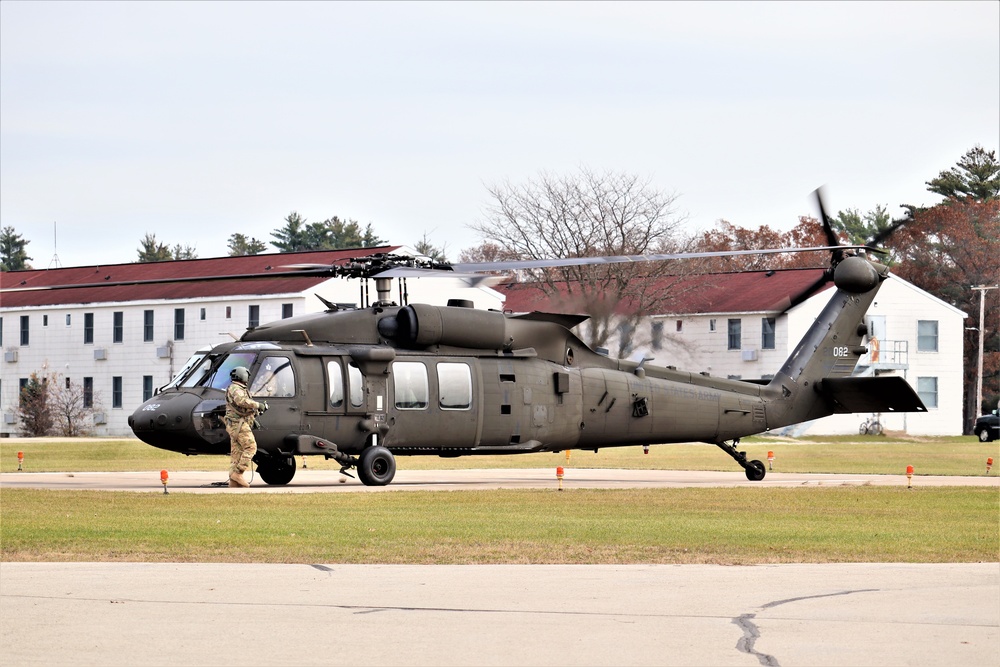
[[622, 259]]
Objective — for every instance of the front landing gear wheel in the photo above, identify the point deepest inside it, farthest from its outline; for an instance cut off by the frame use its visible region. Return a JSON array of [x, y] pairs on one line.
[[755, 471], [376, 466], [277, 470]]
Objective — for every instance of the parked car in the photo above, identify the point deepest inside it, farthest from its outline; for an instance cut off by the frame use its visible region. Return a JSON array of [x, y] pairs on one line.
[[987, 427]]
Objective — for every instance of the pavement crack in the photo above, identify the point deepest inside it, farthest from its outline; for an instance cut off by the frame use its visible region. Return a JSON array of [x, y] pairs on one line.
[[751, 633]]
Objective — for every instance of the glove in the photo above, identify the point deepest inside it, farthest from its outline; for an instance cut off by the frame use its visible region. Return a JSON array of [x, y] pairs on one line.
[[263, 408]]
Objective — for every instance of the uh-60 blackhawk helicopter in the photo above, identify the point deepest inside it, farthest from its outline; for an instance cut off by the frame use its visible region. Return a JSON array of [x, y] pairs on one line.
[[362, 386]]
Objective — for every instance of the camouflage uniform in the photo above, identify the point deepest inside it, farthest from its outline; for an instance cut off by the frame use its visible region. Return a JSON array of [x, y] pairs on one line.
[[240, 412]]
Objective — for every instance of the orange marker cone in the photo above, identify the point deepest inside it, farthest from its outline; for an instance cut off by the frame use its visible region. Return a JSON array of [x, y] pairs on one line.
[[163, 479], [989, 464], [909, 477], [770, 460], [559, 476], [20, 460]]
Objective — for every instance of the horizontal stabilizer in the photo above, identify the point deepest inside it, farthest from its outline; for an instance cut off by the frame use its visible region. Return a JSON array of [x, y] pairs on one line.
[[871, 394]]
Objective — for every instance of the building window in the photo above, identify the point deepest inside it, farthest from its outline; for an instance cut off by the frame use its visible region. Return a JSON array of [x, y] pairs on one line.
[[69, 319], [25, 329], [118, 327], [454, 386], [202, 315], [409, 382], [735, 334], [656, 335], [927, 336], [927, 389], [45, 320], [229, 312], [147, 325], [178, 324], [767, 333], [711, 325], [88, 328], [88, 392], [147, 387], [253, 317], [116, 391], [286, 311], [625, 343], [680, 326]]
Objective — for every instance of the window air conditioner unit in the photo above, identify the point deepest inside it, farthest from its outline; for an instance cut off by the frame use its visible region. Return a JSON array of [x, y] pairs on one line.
[[163, 352], [10, 356], [749, 355], [99, 418], [9, 418], [100, 354]]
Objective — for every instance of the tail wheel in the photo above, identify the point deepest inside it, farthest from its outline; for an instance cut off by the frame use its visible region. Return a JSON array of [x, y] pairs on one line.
[[376, 466]]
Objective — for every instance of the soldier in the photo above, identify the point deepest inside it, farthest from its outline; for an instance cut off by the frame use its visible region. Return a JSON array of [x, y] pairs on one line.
[[240, 412]]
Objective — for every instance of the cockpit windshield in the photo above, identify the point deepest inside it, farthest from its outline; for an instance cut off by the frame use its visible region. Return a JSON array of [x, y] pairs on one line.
[[214, 372]]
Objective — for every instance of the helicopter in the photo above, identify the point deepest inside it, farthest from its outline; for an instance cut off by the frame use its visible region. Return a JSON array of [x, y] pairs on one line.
[[362, 386]]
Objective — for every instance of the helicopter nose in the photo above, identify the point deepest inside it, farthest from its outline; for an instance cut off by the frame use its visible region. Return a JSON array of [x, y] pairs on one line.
[[164, 420]]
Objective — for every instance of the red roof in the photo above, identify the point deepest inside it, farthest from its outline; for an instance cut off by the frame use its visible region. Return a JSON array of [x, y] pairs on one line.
[[742, 292], [180, 279]]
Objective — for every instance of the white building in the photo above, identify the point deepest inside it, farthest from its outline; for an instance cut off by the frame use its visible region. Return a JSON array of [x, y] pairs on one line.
[[745, 325], [123, 330]]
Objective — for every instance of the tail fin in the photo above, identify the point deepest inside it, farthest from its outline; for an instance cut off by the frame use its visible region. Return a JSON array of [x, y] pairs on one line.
[[815, 380]]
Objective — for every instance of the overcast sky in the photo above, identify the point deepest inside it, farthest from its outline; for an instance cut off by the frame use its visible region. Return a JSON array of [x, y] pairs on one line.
[[193, 121]]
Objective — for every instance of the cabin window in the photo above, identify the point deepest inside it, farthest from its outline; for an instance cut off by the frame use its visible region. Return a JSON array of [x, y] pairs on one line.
[[356, 383], [927, 390], [927, 336], [767, 333], [275, 379], [735, 334], [454, 386], [409, 382], [336, 378]]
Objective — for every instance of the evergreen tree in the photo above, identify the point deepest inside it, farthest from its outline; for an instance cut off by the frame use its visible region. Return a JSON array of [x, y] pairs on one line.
[[13, 253]]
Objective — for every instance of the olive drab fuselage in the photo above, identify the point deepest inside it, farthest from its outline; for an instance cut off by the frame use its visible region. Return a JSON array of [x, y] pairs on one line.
[[453, 381]]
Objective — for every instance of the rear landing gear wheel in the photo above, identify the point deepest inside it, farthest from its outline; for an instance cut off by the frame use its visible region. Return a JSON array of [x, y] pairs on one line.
[[755, 470], [376, 466]]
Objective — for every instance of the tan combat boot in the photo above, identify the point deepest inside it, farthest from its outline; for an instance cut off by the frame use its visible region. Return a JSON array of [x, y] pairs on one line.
[[236, 481]]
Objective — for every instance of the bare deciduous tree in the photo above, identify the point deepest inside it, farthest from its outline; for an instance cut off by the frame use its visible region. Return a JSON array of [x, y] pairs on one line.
[[589, 214]]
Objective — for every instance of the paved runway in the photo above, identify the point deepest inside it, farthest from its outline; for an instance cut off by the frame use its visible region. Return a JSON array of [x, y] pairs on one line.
[[317, 481], [235, 614]]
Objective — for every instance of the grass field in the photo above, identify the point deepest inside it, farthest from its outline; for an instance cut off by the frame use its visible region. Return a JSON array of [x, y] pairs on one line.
[[731, 526], [854, 455], [728, 526]]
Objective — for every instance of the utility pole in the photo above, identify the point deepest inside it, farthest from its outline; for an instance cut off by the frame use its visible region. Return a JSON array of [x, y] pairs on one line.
[[979, 377]]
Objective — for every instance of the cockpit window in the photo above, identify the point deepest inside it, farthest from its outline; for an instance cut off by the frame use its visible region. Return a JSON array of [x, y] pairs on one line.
[[191, 363], [275, 378]]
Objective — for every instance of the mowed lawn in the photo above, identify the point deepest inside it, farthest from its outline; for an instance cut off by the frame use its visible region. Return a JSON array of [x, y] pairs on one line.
[[732, 526]]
